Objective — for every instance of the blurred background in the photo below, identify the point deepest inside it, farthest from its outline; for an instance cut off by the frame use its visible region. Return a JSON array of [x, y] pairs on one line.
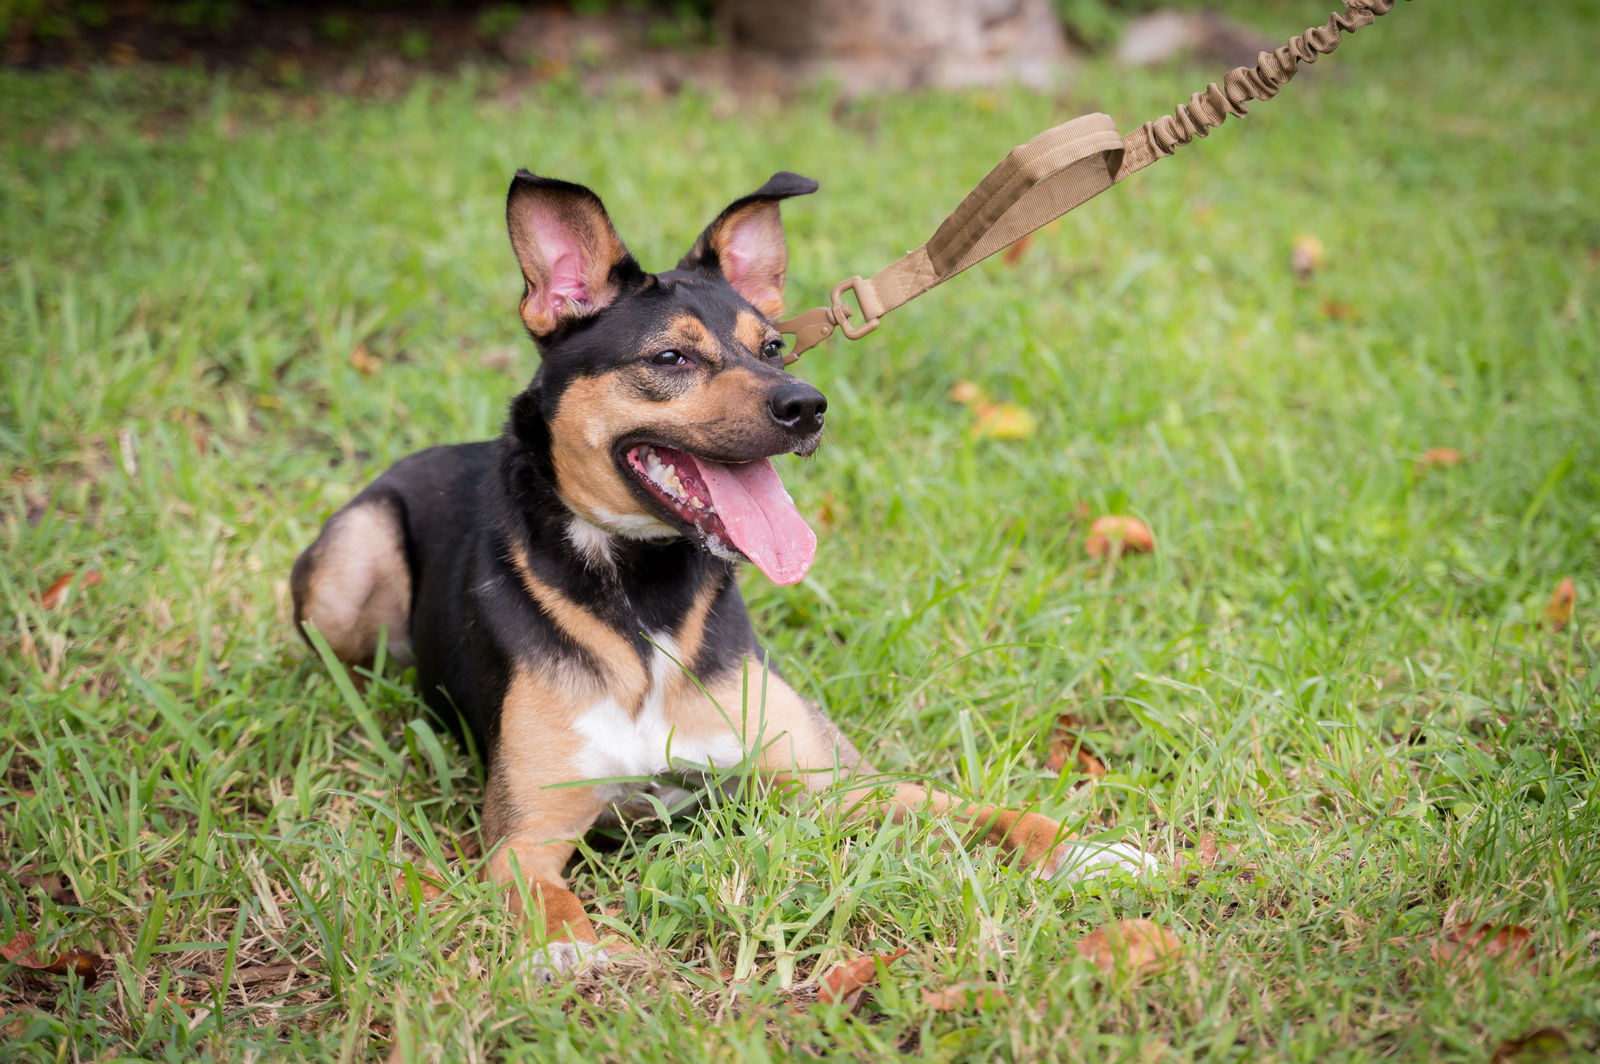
[[369, 45]]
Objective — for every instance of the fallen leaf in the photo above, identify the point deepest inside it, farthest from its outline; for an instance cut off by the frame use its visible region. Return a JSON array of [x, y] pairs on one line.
[[52, 884], [1334, 310], [964, 996], [1463, 948], [1114, 535], [1067, 747], [1545, 1043], [1558, 611], [366, 363], [57, 593], [1442, 457], [1206, 849], [432, 884], [966, 393], [1133, 946], [848, 981], [1018, 248], [1002, 421], [829, 511], [1306, 256], [83, 964]]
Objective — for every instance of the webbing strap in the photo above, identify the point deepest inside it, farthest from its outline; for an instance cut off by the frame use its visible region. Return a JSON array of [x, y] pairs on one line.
[[1058, 170]]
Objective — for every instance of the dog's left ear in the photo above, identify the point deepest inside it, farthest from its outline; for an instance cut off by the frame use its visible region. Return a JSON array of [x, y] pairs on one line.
[[745, 244]]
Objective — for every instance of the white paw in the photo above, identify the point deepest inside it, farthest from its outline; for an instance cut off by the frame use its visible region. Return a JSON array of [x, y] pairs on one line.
[[559, 960], [1074, 861]]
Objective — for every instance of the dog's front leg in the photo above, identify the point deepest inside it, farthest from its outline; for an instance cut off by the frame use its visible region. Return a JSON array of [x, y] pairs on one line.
[[535, 827], [797, 743]]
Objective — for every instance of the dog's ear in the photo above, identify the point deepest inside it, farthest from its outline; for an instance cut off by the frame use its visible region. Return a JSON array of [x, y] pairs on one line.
[[745, 244], [572, 260]]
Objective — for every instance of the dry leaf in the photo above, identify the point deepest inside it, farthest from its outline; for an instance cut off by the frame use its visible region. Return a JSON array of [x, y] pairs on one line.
[[829, 511], [1334, 310], [83, 964], [53, 885], [1546, 1043], [1464, 947], [1134, 946], [964, 996], [57, 593], [1067, 747], [429, 879], [1114, 535], [1443, 457], [1306, 256], [966, 393], [365, 362], [1558, 611], [1014, 253], [1002, 421], [1206, 849], [848, 981]]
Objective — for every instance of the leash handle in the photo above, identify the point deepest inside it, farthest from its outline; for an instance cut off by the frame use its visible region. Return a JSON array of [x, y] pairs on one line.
[[1058, 170]]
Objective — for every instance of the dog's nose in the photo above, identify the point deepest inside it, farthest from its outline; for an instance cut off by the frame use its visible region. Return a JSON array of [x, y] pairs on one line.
[[798, 407]]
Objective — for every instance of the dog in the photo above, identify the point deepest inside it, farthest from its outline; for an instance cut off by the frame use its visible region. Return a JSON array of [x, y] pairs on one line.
[[568, 593]]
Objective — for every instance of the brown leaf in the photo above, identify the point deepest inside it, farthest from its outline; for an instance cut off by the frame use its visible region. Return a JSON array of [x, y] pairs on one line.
[[966, 393], [1305, 258], [1067, 747], [964, 997], [1558, 611], [1334, 310], [366, 363], [1002, 421], [1014, 253], [1545, 1043], [430, 880], [1463, 948], [848, 981], [1115, 534], [57, 593], [1442, 457], [1206, 849], [52, 885], [83, 964], [1134, 946]]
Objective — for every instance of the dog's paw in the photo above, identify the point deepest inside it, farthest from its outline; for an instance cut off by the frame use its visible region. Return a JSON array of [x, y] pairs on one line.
[[563, 960], [1077, 860]]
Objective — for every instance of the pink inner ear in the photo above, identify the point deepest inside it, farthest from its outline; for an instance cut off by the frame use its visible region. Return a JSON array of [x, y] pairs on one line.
[[563, 254], [753, 256]]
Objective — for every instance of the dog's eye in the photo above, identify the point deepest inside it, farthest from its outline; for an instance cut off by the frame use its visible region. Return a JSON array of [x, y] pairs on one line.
[[772, 349], [667, 358]]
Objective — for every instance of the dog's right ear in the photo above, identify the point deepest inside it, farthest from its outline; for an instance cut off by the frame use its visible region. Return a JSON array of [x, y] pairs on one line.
[[573, 262]]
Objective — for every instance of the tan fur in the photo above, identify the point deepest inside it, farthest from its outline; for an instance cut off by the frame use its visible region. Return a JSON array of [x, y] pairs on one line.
[[359, 585], [752, 332], [626, 679]]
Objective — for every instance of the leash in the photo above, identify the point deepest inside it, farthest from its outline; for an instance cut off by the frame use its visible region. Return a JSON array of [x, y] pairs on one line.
[[1060, 169]]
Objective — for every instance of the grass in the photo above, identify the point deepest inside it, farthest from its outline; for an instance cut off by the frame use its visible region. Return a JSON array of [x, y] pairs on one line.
[[1334, 660]]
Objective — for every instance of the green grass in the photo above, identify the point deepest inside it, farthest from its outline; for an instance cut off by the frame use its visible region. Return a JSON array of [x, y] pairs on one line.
[[1334, 660]]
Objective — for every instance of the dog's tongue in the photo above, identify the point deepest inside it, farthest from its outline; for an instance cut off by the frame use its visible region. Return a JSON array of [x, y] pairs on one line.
[[760, 518]]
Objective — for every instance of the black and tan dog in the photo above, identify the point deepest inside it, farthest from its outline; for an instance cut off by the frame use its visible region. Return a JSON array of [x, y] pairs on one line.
[[567, 591]]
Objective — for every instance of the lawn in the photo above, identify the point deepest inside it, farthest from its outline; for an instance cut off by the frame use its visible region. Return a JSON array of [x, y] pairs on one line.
[[1331, 700]]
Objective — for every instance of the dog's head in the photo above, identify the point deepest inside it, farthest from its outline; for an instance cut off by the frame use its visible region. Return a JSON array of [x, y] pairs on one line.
[[664, 394]]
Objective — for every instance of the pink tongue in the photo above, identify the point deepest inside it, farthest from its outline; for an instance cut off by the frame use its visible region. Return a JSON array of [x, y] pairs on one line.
[[760, 517]]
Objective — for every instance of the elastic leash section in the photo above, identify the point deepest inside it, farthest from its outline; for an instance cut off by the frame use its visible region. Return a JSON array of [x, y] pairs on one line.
[[1056, 171]]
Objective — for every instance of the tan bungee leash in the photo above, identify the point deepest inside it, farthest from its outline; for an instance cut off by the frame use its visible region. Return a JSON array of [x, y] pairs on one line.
[[1056, 171]]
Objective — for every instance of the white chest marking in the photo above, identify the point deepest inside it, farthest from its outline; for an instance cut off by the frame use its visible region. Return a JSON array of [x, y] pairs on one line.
[[646, 744]]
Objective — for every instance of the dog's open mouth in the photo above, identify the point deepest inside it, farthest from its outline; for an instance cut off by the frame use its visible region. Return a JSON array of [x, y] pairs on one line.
[[738, 505]]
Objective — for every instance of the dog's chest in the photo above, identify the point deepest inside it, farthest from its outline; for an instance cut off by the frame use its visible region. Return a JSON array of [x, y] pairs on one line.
[[675, 733]]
